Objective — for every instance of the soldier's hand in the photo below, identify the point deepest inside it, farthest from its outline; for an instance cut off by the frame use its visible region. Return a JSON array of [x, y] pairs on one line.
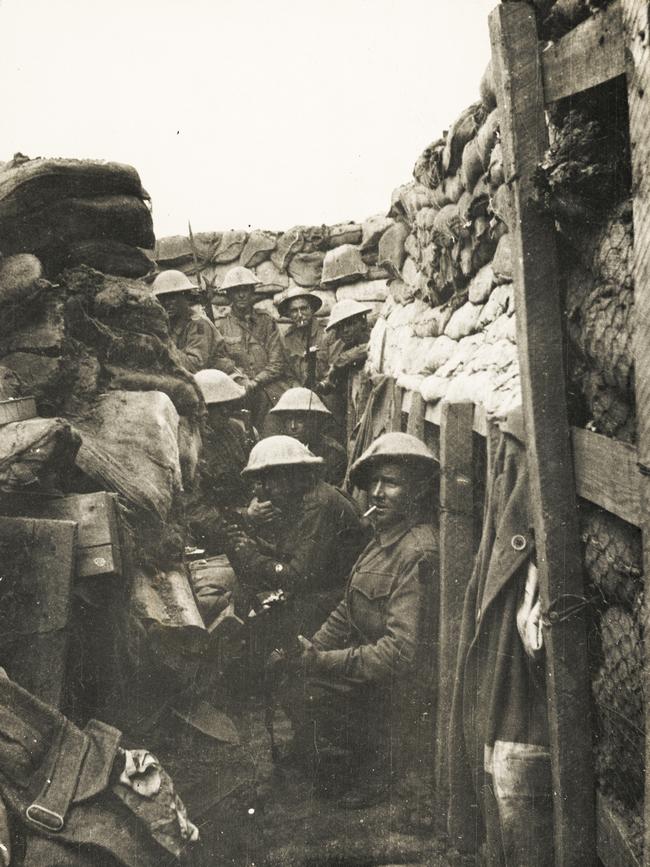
[[261, 511], [307, 651]]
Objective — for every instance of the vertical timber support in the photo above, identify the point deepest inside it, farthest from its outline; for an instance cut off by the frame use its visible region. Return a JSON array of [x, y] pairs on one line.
[[520, 97], [636, 29], [456, 562]]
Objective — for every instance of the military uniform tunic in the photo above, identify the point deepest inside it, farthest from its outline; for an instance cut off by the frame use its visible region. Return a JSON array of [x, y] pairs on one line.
[[201, 346]]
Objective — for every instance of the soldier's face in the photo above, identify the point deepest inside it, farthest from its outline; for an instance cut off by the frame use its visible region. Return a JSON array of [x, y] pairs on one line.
[[300, 426], [279, 487], [390, 491], [177, 305], [350, 330], [242, 299], [300, 312]]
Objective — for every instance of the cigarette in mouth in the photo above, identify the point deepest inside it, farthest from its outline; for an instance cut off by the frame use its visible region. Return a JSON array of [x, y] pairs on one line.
[[369, 511]]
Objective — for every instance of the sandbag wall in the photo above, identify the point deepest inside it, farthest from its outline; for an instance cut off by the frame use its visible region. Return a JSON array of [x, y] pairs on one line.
[[115, 409], [333, 262]]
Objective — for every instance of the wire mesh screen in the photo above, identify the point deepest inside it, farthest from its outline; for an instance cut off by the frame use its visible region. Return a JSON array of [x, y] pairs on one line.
[[613, 564]]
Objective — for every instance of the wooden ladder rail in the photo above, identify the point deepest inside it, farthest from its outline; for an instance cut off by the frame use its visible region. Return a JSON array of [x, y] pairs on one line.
[[524, 136]]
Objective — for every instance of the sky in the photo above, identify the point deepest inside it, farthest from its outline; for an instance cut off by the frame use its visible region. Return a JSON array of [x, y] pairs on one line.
[[237, 115]]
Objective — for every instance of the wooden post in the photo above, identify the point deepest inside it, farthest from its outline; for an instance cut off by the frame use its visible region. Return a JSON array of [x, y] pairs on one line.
[[636, 29], [520, 97], [456, 561]]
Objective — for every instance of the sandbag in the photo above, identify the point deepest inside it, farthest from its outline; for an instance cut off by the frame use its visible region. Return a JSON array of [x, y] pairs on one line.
[[266, 305], [103, 254], [487, 89], [481, 285], [40, 374], [130, 445], [433, 322], [471, 167], [176, 250], [409, 199], [504, 327], [181, 390], [271, 279], [36, 450], [306, 268], [486, 137], [453, 188], [502, 262], [501, 205], [45, 332], [20, 280], [433, 388], [31, 185], [391, 252], [501, 300], [496, 174], [372, 230], [258, 247], [369, 290], [464, 321], [328, 301], [343, 265], [122, 218], [462, 130], [344, 233], [410, 274], [428, 167], [288, 244], [230, 247], [11, 385], [439, 352]]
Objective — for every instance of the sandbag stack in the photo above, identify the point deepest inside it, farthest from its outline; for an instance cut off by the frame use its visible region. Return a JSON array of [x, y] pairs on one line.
[[447, 329], [72, 212], [333, 262]]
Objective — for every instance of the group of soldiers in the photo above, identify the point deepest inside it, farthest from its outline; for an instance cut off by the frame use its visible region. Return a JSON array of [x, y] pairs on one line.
[[351, 664]]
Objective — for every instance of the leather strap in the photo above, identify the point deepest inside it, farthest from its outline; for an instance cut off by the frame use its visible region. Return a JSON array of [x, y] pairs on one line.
[[49, 808]]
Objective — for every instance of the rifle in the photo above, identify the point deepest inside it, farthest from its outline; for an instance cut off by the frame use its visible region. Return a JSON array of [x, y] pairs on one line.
[[207, 303]]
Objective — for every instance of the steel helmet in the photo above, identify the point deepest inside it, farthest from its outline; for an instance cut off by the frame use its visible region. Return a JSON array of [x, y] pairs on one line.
[[217, 387], [168, 282], [300, 400], [239, 276], [279, 451], [392, 446], [297, 292], [346, 309]]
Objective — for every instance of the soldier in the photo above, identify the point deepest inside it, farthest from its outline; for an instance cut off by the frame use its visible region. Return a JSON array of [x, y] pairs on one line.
[[316, 531], [253, 341], [305, 339], [363, 679], [346, 354], [199, 343], [303, 416]]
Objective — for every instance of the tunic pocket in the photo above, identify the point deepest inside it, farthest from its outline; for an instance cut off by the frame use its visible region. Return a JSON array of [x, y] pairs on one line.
[[369, 594]]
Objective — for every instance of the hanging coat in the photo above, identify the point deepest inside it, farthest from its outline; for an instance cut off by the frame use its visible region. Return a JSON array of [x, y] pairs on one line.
[[499, 731]]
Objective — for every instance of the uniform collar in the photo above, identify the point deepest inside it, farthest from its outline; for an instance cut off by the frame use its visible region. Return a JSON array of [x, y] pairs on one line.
[[394, 534]]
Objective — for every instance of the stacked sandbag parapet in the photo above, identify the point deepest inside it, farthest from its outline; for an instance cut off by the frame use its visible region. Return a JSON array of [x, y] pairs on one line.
[[333, 262], [448, 327], [73, 212]]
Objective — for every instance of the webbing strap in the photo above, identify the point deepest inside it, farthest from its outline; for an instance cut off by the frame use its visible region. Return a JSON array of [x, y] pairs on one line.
[[48, 810]]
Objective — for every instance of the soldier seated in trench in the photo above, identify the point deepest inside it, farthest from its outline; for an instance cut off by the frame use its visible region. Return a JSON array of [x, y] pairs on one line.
[[311, 536], [362, 681]]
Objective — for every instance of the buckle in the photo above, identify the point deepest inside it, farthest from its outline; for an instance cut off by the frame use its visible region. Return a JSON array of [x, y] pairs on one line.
[[44, 818]]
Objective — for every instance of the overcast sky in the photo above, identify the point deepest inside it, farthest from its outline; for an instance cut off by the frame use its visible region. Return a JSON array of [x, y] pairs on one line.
[[265, 113]]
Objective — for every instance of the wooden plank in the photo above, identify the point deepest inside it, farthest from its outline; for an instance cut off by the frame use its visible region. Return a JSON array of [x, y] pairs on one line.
[[606, 474], [614, 849], [396, 408], [590, 54], [35, 602], [636, 29], [96, 516], [415, 423], [456, 562], [524, 138]]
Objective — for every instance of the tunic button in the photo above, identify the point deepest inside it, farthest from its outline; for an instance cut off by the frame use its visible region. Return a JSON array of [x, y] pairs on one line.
[[518, 542]]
